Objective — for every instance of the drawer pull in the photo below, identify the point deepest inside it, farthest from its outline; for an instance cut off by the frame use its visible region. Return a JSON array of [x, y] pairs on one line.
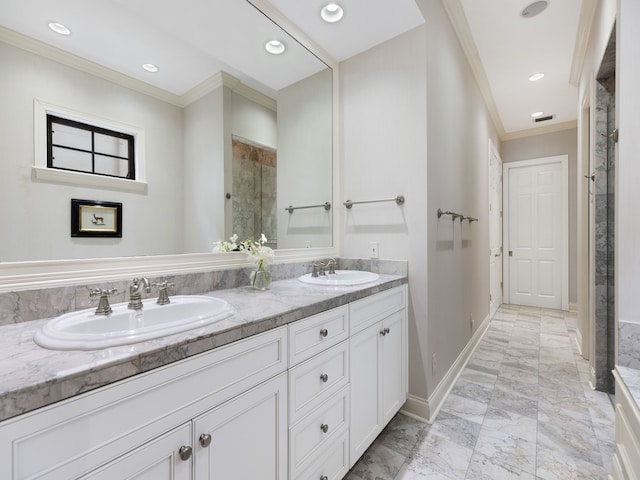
[[324, 477], [324, 427], [185, 452], [324, 332], [324, 377], [384, 331], [205, 440]]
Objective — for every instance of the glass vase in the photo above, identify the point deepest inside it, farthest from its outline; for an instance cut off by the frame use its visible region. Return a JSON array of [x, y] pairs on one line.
[[261, 279]]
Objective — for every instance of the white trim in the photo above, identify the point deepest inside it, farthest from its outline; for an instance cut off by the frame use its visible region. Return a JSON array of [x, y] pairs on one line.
[[463, 31], [563, 160], [494, 151], [541, 130], [427, 410], [18, 276], [42, 172], [578, 341], [587, 13]]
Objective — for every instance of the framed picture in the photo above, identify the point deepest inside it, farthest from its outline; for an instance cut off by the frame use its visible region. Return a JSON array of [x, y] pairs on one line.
[[92, 218]]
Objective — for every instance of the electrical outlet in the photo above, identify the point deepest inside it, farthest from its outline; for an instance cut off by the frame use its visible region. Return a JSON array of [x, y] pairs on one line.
[[373, 249], [433, 364], [307, 244]]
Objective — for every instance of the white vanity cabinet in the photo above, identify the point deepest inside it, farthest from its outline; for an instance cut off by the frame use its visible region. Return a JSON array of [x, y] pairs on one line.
[[378, 349], [149, 426], [300, 402]]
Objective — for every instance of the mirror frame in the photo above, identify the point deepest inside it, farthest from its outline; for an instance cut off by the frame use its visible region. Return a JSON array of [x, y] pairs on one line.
[[32, 275]]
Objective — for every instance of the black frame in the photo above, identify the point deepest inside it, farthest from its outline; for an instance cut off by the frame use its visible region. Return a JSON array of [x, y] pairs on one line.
[[131, 175], [79, 228]]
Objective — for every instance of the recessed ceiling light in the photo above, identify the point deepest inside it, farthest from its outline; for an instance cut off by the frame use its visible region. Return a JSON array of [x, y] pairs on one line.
[[274, 47], [537, 114], [59, 28], [535, 8], [332, 13], [150, 67], [536, 76]]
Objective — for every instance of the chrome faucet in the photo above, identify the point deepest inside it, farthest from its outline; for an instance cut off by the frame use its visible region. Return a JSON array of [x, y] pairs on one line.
[[331, 265], [135, 297]]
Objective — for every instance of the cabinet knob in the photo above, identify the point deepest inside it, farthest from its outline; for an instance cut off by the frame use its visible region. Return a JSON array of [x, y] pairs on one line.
[[324, 377], [185, 452], [386, 330], [324, 477], [324, 332], [205, 440], [383, 332], [324, 427]]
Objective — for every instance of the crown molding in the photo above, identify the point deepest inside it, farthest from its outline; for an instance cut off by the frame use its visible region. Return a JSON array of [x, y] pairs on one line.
[[216, 81], [39, 48], [461, 26], [532, 132], [587, 14]]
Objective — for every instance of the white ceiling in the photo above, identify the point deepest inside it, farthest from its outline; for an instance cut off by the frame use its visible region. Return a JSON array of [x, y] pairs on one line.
[[191, 40], [510, 47]]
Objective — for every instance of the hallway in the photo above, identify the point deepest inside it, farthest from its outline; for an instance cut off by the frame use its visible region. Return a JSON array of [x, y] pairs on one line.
[[521, 409]]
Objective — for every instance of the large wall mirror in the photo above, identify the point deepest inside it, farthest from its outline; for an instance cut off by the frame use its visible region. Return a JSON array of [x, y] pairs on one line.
[[232, 134]]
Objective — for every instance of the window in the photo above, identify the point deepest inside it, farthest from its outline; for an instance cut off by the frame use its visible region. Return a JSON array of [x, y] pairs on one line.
[[80, 147]]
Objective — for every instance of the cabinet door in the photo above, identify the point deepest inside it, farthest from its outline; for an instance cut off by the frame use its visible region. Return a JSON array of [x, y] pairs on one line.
[[248, 436], [156, 460], [366, 422], [393, 365]]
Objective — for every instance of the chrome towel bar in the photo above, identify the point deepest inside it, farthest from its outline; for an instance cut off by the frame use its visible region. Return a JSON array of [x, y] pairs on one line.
[[325, 205], [399, 200]]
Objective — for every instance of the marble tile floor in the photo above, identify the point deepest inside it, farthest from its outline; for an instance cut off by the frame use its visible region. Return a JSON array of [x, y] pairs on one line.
[[521, 409]]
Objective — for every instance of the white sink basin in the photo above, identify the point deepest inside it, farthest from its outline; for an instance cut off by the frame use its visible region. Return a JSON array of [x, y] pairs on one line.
[[83, 330], [341, 278]]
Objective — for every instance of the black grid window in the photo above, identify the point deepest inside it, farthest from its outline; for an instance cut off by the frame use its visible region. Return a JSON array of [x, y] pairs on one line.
[[80, 147]]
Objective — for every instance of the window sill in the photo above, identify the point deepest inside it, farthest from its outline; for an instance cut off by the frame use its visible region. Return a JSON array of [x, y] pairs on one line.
[[88, 180]]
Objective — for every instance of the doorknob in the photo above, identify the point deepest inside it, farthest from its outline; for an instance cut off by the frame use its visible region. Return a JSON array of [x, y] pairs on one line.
[[511, 253]]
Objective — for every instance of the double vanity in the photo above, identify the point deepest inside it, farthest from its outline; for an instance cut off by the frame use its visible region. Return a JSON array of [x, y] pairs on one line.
[[291, 383]]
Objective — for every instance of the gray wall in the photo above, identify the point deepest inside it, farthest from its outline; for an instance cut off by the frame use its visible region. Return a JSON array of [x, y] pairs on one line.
[[547, 145], [414, 123]]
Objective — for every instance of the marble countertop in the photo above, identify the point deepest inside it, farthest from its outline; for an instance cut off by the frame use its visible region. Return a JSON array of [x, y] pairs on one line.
[[631, 378], [32, 377]]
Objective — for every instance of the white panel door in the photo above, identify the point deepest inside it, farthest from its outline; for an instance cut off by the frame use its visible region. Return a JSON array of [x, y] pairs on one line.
[[536, 252], [495, 231], [158, 459], [245, 438]]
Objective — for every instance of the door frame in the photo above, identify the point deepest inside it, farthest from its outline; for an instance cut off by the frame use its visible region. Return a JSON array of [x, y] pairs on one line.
[[494, 151], [563, 160]]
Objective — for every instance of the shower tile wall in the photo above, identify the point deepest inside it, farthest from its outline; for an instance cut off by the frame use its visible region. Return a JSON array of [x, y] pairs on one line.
[[604, 239], [254, 191]]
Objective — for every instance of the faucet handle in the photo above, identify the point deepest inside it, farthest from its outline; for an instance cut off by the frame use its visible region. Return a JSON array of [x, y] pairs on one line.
[[135, 284], [163, 297], [103, 305]]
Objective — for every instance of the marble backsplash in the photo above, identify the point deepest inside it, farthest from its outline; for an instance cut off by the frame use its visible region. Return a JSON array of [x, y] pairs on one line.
[[24, 306]]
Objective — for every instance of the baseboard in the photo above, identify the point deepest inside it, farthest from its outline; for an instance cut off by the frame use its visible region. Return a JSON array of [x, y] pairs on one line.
[[427, 410], [592, 378], [578, 340], [573, 307], [416, 407]]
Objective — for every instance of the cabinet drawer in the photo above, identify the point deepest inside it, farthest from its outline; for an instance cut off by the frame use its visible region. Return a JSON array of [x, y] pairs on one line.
[[332, 464], [313, 381], [370, 310], [308, 438], [70, 438], [312, 335]]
